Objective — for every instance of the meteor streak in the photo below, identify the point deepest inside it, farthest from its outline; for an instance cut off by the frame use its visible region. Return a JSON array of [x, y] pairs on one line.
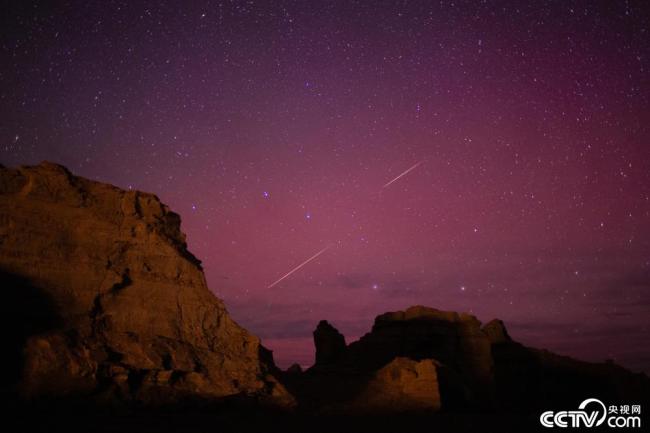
[[300, 266], [406, 172]]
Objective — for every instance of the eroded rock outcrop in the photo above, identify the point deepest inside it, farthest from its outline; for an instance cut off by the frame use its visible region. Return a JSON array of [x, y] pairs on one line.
[[329, 343], [496, 332], [403, 385], [410, 353], [528, 378], [104, 299], [422, 357], [455, 340]]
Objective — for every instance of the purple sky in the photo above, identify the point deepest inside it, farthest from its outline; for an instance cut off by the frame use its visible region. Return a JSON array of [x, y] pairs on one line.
[[271, 127]]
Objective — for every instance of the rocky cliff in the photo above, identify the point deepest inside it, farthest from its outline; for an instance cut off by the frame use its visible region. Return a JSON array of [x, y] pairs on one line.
[[103, 299]]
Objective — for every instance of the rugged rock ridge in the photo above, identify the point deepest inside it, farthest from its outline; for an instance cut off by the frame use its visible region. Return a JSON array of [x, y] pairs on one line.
[[105, 299], [102, 300], [423, 359], [447, 351], [453, 339]]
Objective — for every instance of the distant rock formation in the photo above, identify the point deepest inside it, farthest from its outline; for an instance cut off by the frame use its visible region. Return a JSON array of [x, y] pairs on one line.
[[453, 339], [496, 332], [103, 299], [408, 353], [401, 386], [528, 378], [329, 342]]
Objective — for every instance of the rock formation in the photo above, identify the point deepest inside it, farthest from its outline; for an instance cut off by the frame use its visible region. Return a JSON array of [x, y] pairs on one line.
[[496, 332], [329, 342], [409, 353], [460, 349], [528, 378], [103, 302], [103, 299], [401, 386], [453, 339]]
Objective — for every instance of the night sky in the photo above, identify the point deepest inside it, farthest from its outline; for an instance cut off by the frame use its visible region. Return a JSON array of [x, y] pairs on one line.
[[272, 128]]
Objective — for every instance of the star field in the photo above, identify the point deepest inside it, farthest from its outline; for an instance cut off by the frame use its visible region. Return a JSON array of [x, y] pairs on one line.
[[272, 128]]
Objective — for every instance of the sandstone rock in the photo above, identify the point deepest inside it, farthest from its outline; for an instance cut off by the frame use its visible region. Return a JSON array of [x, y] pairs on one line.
[[402, 385], [102, 294], [329, 342], [455, 340], [474, 368], [419, 336]]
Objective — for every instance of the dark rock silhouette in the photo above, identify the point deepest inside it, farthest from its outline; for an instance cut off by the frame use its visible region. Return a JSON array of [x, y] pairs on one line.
[[294, 369], [453, 339], [475, 368], [448, 348], [496, 332], [329, 342]]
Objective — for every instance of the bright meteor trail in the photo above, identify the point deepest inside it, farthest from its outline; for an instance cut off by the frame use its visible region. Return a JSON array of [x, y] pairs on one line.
[[404, 173], [300, 266], [326, 248]]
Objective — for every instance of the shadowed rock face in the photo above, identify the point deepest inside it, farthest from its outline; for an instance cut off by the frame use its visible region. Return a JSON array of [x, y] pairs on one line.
[[496, 331], [109, 302], [402, 385], [408, 353], [453, 339], [329, 342]]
